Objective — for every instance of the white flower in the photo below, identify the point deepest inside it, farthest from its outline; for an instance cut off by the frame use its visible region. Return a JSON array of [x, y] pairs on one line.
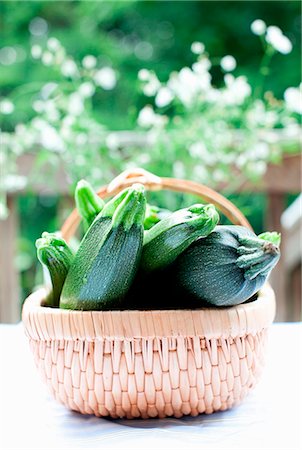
[[51, 111], [143, 158], [144, 75], [293, 99], [112, 141], [3, 210], [277, 40], [260, 151], [293, 130], [68, 121], [86, 89], [273, 31], [15, 182], [147, 118], [36, 51], [105, 78], [237, 90], [53, 44], [6, 106], [69, 68], [59, 56], [188, 77], [152, 86], [50, 139], [241, 160], [201, 172], [258, 27], [20, 129], [179, 169], [163, 97], [228, 63], [213, 95], [38, 123], [66, 128], [187, 84], [285, 46], [218, 175], [89, 62], [75, 104], [197, 149], [47, 58], [38, 106], [202, 65], [200, 151], [257, 168], [81, 139], [197, 48], [47, 107]]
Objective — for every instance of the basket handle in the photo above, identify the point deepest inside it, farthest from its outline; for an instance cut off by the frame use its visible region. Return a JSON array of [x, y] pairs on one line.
[[155, 183]]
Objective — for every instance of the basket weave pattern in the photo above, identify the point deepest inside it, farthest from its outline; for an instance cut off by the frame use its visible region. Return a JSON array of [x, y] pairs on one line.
[[150, 363], [150, 377], [125, 363]]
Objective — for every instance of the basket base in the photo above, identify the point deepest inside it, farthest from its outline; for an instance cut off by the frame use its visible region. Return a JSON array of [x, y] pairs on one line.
[[151, 377]]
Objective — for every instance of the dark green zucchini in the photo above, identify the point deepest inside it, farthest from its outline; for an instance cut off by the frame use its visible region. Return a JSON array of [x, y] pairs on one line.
[[109, 254], [173, 234], [227, 267], [88, 203], [56, 257]]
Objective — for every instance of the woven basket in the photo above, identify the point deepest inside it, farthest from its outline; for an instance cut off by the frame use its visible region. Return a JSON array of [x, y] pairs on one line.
[[153, 363]]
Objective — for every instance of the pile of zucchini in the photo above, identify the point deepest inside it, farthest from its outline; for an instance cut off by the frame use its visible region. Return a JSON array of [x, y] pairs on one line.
[[136, 255]]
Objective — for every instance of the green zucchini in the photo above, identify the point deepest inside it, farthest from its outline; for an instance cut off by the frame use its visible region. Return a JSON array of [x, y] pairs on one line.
[[88, 203], [56, 257], [108, 257], [173, 234], [227, 267], [153, 215]]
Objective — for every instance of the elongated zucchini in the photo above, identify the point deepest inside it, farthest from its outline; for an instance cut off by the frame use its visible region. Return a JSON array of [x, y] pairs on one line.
[[88, 203], [227, 267], [56, 257], [172, 235], [108, 257]]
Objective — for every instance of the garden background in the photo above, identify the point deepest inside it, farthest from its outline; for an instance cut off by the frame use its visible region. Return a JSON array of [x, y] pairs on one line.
[[204, 90]]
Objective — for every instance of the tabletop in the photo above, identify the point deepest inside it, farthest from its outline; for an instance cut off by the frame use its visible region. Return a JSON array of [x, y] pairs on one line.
[[268, 419]]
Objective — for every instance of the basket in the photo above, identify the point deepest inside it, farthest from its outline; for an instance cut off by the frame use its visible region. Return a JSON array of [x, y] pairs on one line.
[[154, 363]]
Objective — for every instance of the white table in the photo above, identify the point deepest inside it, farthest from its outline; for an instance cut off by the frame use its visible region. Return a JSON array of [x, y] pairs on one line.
[[269, 418]]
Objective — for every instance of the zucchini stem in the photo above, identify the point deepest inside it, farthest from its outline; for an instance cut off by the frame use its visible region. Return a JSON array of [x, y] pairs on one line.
[[88, 203]]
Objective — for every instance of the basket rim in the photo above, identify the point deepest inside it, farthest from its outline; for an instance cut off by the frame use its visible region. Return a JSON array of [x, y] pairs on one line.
[[44, 323]]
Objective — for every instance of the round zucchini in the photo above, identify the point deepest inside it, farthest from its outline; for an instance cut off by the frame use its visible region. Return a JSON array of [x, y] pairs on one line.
[[227, 267]]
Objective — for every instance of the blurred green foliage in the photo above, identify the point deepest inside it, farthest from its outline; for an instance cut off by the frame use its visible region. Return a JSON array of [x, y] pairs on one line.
[[130, 35]]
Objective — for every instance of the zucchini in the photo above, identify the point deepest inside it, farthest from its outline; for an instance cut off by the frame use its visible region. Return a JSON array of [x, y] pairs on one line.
[[153, 215], [172, 235], [56, 257], [227, 267], [108, 257], [88, 203]]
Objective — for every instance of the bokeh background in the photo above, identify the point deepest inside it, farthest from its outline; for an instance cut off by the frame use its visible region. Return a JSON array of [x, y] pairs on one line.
[[206, 90]]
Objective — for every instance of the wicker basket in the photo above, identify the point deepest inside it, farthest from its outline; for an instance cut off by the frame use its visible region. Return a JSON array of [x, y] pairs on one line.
[[150, 363]]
